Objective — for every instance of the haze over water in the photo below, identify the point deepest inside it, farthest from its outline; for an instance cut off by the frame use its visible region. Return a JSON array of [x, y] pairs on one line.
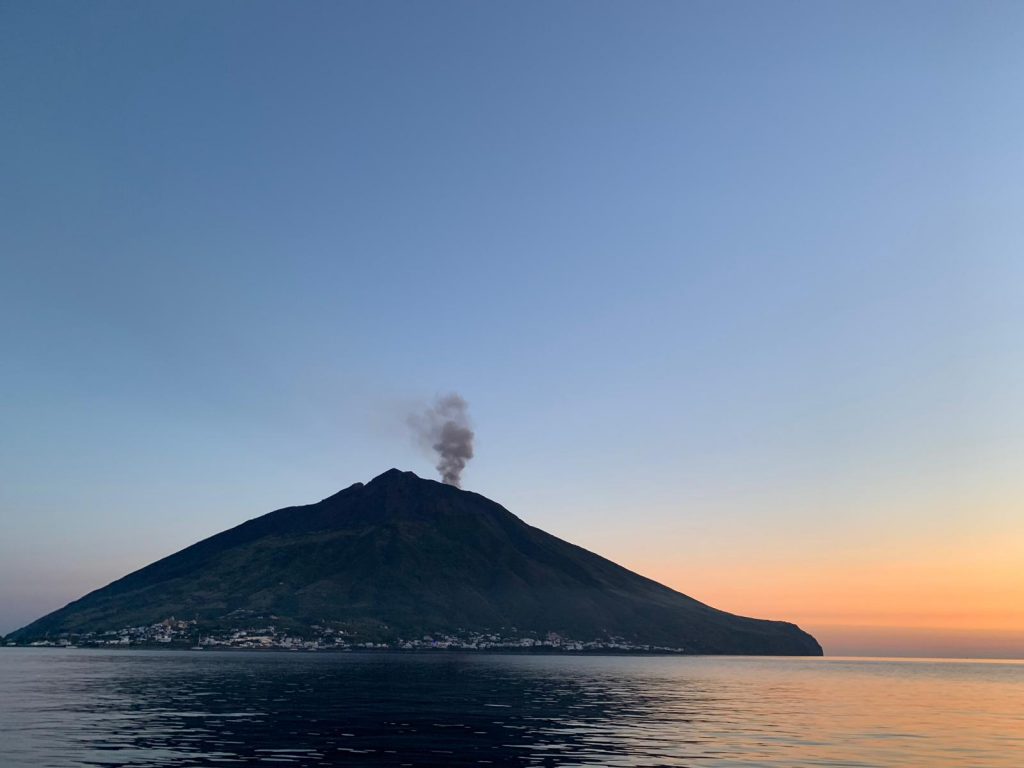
[[175, 709]]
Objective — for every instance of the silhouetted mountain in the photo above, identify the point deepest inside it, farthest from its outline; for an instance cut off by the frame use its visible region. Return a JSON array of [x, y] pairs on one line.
[[402, 556]]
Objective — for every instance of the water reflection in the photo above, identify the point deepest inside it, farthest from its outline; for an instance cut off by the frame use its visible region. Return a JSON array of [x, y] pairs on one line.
[[91, 708]]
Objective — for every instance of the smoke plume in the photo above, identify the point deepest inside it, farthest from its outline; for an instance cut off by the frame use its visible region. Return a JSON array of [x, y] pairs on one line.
[[444, 429]]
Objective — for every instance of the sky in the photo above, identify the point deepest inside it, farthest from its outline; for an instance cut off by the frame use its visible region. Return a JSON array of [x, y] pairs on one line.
[[735, 291]]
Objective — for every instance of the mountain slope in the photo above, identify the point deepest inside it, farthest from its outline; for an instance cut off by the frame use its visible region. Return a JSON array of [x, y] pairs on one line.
[[407, 556]]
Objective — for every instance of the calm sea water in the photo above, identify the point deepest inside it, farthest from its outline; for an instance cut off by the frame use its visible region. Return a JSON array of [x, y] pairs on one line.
[[74, 708]]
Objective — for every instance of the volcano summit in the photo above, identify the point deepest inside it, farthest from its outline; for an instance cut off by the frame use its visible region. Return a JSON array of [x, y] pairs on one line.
[[402, 557]]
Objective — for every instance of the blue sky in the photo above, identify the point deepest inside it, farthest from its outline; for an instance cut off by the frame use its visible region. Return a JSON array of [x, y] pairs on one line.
[[727, 285]]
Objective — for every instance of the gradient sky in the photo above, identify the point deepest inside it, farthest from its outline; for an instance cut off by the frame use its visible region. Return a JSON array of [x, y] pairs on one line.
[[735, 290]]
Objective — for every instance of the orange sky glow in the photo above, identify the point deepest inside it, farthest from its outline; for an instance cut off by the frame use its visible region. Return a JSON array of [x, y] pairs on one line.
[[953, 595]]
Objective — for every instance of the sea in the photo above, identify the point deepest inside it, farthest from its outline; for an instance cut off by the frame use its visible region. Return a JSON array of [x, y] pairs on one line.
[[68, 708]]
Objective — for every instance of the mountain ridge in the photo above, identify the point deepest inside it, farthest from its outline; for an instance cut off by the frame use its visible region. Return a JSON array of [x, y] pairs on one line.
[[401, 556]]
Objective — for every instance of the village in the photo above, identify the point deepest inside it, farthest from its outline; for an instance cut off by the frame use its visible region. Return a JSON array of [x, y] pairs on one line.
[[174, 633]]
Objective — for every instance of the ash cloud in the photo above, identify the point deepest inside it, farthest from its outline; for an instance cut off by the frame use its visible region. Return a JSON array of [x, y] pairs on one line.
[[444, 429]]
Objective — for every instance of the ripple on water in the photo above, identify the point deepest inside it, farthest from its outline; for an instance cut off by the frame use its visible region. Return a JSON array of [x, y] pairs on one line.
[[105, 709]]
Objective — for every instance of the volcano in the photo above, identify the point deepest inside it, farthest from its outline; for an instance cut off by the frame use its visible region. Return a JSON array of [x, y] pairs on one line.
[[401, 556]]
